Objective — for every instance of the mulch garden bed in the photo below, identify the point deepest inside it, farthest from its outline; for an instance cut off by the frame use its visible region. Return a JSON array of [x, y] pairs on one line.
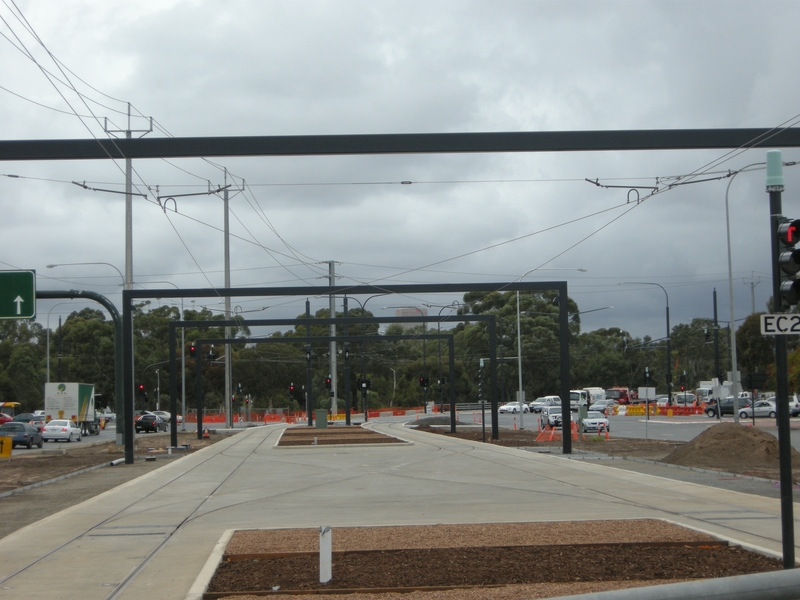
[[306, 436], [438, 568]]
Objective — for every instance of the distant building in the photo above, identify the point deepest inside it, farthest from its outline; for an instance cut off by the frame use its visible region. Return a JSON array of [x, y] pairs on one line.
[[408, 311]]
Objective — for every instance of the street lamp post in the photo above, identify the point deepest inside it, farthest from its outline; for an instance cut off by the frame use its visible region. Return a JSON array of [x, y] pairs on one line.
[[363, 352], [519, 338], [453, 305], [424, 357], [183, 359], [734, 363], [124, 420], [668, 376]]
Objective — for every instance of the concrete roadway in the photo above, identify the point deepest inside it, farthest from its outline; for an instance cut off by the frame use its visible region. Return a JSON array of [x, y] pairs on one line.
[[172, 518]]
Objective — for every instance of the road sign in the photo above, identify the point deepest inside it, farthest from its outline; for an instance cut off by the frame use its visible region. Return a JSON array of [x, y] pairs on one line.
[[780, 324], [17, 294], [6, 443]]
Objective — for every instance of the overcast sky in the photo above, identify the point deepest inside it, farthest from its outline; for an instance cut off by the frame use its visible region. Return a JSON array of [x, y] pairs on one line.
[[209, 68]]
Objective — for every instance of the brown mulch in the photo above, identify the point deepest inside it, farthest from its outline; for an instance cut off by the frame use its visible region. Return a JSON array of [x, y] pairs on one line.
[[472, 555], [306, 436]]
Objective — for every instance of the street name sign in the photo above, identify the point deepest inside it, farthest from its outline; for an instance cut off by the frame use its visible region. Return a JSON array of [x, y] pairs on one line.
[[780, 324], [17, 294]]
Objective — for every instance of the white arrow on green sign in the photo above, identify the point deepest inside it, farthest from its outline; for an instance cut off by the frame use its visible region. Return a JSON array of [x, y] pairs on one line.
[[17, 294]]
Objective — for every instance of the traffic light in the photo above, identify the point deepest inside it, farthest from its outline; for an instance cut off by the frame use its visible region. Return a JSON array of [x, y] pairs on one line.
[[683, 381], [141, 387], [239, 389], [421, 382], [789, 260], [647, 377], [328, 382], [192, 351], [291, 389]]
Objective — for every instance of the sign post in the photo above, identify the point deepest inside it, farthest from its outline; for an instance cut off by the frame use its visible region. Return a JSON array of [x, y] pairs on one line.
[[17, 294]]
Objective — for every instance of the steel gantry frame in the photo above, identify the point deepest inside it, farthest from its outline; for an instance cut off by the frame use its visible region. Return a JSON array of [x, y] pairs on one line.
[[128, 297], [400, 143]]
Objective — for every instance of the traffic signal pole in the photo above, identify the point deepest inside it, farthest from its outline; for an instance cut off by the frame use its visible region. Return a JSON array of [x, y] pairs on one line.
[[775, 188]]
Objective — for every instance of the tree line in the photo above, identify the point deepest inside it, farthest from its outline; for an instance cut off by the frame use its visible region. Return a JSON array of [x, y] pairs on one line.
[[82, 350]]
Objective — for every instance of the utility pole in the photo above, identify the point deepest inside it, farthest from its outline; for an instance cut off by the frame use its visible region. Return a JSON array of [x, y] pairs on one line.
[[753, 283], [228, 384], [123, 419]]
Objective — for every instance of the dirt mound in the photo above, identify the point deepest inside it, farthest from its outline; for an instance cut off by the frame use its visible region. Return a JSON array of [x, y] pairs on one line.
[[732, 447]]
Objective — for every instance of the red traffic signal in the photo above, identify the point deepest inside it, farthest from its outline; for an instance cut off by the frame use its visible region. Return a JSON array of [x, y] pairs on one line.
[[141, 387], [328, 383], [192, 351]]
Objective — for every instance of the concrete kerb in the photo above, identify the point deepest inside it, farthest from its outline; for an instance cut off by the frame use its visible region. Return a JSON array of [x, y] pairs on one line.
[[207, 572]]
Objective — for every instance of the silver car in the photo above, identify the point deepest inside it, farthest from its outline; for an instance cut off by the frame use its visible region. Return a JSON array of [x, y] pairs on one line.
[[595, 421], [763, 408]]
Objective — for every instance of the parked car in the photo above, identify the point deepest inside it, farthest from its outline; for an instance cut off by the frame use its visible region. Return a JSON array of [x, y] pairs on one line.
[[30, 419], [513, 407], [150, 422], [726, 406], [543, 402], [4, 418], [662, 399], [762, 408], [61, 429], [165, 416], [21, 434], [595, 421]]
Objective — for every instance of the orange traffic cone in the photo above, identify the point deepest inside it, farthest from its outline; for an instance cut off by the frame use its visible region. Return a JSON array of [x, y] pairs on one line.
[[205, 433]]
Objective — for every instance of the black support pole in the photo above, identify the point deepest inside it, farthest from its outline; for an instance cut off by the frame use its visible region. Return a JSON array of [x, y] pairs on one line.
[[782, 385]]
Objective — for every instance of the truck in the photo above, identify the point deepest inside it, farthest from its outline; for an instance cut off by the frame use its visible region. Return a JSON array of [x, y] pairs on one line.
[[72, 401], [595, 394], [621, 395]]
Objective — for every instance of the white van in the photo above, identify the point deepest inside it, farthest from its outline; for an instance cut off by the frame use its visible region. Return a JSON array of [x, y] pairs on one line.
[[595, 394], [578, 398]]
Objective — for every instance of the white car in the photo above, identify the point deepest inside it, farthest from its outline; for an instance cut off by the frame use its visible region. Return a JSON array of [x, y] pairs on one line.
[[595, 421], [61, 429], [513, 407]]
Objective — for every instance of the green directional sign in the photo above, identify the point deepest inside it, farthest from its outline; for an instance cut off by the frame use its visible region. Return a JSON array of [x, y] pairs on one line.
[[17, 294]]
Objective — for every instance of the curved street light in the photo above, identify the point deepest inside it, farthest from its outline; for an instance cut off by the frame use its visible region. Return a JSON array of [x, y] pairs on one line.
[[363, 351], [424, 361], [734, 365], [668, 376], [519, 336], [53, 266]]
